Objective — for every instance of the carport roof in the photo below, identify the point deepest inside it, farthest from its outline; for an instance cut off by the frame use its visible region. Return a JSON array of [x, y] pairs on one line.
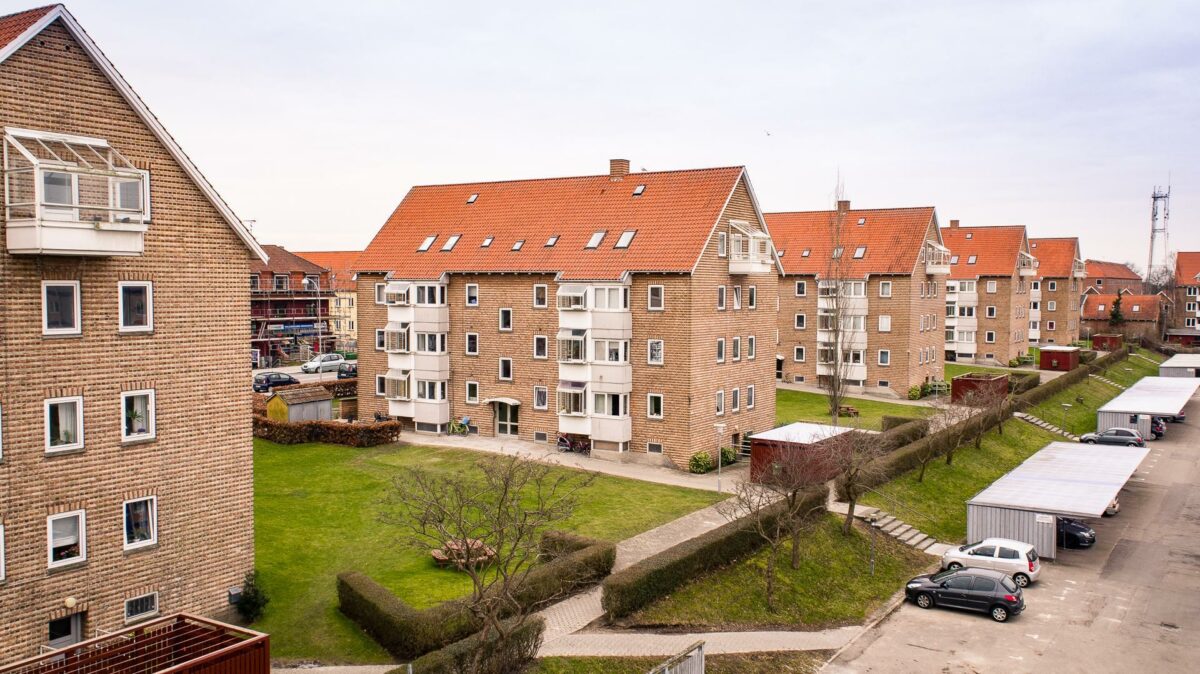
[[1155, 395], [802, 432], [1065, 478], [1182, 360]]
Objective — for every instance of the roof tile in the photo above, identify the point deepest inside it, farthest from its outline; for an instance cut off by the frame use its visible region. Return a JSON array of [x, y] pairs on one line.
[[12, 25], [1110, 270], [1055, 256], [340, 264], [284, 261], [1187, 268], [892, 237], [995, 250], [1097, 307]]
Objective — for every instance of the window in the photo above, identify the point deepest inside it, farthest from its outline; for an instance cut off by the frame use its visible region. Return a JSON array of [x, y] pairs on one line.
[[885, 323], [837, 253], [1137, 308], [1192, 291], [1049, 325], [798, 354], [282, 281], [66, 538], [966, 312], [737, 348], [571, 398], [64, 424], [380, 293], [626, 239], [380, 384], [654, 352], [750, 347], [991, 286], [854, 289], [137, 408], [472, 392], [639, 190], [989, 337], [487, 242], [860, 252], [60, 308], [472, 292], [737, 297], [610, 351], [800, 321], [720, 403], [655, 298], [654, 405], [541, 398], [471, 199], [539, 296], [540, 347], [1051, 285], [735, 399], [506, 369], [551, 241], [750, 397], [472, 344], [1051, 305], [801, 288], [722, 244], [141, 525], [518, 243], [806, 252], [611, 404], [506, 320], [885, 288], [752, 297], [138, 608], [615, 298], [431, 390], [721, 298], [654, 447], [991, 312], [597, 237], [431, 342], [254, 282], [426, 243], [136, 306], [720, 349], [885, 357]]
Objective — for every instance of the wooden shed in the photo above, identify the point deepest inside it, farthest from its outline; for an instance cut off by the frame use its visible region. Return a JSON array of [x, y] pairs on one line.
[[1059, 358], [1107, 342], [983, 384], [313, 403], [769, 449]]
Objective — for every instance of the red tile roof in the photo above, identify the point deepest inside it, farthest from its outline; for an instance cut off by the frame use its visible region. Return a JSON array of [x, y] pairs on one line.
[[12, 25], [892, 237], [673, 219], [340, 264], [1111, 270], [995, 250], [1148, 305], [1055, 256], [283, 261], [1187, 268]]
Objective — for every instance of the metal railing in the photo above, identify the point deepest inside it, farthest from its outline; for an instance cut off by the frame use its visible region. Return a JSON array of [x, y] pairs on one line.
[[690, 661]]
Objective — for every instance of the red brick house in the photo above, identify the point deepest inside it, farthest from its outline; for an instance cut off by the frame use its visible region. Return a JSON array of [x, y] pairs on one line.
[[1184, 323], [1145, 315], [289, 308], [1112, 277]]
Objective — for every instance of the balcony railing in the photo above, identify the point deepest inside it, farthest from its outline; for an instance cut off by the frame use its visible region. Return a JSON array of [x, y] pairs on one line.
[[1027, 265], [396, 386], [750, 253], [936, 257], [1079, 269], [395, 340]]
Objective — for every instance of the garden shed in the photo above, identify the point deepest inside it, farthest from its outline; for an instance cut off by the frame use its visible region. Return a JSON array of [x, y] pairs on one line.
[[1107, 342], [767, 447], [1182, 365], [313, 403], [1059, 358], [977, 385], [1063, 479], [1149, 397]]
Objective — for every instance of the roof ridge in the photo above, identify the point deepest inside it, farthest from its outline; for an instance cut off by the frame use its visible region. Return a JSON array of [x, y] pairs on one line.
[[852, 210], [31, 10], [579, 177]]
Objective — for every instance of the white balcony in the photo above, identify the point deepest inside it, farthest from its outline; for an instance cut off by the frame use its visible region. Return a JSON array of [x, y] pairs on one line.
[[968, 299], [576, 424], [397, 385], [401, 361], [1078, 269], [401, 408], [432, 365], [848, 306], [619, 375], [602, 323], [611, 429], [853, 371], [1027, 264], [937, 258], [431, 318], [967, 348], [72, 195], [1035, 334], [1035, 314], [850, 339], [431, 411], [966, 322]]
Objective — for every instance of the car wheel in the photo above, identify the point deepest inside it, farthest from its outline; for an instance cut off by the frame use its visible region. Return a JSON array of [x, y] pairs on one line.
[[1131, 444], [1021, 580], [925, 600], [1090, 441], [954, 566], [999, 614]]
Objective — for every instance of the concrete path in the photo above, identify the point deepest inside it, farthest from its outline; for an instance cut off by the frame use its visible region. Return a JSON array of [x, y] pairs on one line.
[[345, 669], [809, 388], [632, 644]]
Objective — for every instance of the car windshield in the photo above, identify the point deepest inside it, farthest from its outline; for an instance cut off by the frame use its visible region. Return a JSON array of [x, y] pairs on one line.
[[260, 377], [1008, 584], [1031, 555], [941, 575], [969, 545]]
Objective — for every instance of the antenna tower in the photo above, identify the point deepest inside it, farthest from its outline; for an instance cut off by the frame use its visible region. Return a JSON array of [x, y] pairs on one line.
[[1158, 226]]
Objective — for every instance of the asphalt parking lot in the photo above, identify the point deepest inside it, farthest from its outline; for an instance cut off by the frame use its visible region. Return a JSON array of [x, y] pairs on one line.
[[1131, 603]]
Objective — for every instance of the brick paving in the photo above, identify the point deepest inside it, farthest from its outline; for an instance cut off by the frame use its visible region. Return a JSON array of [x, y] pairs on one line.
[[630, 644]]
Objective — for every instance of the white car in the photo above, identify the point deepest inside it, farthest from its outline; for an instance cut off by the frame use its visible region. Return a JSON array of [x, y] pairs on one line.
[[1113, 508], [325, 362], [1015, 558]]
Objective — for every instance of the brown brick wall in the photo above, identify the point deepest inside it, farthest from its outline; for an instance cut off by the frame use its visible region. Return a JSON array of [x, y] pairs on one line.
[[1010, 325], [1066, 315], [371, 361], [200, 466]]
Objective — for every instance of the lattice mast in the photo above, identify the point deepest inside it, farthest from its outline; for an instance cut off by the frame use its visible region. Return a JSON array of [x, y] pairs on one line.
[[1160, 202]]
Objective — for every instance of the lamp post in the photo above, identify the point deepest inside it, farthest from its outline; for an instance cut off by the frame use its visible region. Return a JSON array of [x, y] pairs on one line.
[[874, 528], [720, 436], [1065, 407]]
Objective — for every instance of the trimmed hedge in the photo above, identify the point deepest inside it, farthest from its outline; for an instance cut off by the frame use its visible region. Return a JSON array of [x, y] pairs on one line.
[[408, 633], [659, 575], [910, 431], [340, 388], [258, 404], [1087, 355], [889, 421], [333, 432], [1020, 382], [520, 650]]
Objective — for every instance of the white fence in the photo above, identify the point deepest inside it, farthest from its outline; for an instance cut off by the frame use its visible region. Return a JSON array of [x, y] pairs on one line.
[[690, 661]]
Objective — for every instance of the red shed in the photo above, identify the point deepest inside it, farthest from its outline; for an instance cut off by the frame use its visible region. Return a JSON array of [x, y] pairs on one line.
[[1107, 342], [1060, 358], [767, 448], [982, 383]]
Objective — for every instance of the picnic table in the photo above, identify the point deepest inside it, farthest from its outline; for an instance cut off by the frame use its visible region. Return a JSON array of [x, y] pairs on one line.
[[457, 553], [847, 411]]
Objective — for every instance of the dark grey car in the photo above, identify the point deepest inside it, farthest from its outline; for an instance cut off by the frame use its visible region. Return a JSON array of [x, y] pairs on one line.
[[1115, 436]]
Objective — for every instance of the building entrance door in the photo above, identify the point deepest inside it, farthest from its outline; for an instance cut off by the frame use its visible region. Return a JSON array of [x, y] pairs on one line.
[[66, 631], [507, 419]]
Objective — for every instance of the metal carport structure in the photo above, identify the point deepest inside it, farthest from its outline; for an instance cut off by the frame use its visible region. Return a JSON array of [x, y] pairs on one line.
[[1149, 397], [1181, 365], [1062, 479]]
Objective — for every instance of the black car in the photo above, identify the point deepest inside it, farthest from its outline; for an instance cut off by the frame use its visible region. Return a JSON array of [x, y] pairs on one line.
[[1075, 534], [348, 371], [982, 590], [265, 381]]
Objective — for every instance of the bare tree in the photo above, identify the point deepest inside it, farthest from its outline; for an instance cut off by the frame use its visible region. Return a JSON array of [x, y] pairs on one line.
[[834, 319], [490, 523], [853, 457], [949, 422]]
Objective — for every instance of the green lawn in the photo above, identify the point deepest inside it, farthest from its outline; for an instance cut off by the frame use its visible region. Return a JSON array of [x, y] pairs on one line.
[[1080, 417], [956, 369], [801, 662], [831, 587], [315, 516], [804, 406]]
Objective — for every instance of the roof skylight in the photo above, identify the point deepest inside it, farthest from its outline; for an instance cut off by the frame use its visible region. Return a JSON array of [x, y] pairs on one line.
[[862, 221], [471, 199], [626, 238], [449, 245], [953, 259], [518, 244], [637, 191], [597, 237], [971, 260], [860, 252], [837, 253], [970, 235], [487, 242], [427, 243], [551, 241], [805, 252]]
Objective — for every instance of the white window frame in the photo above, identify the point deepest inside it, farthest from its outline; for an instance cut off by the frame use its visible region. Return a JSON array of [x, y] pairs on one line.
[[467, 295], [1051, 305], [989, 337], [380, 293], [1050, 325], [801, 288], [720, 349], [750, 397], [884, 358], [736, 349], [1051, 286], [380, 385], [650, 406], [721, 402], [803, 354], [78, 400], [990, 311], [468, 398], [153, 540], [151, 430], [545, 347], [654, 444], [78, 329], [82, 515], [149, 326], [500, 369], [751, 347], [722, 244], [800, 322], [467, 343], [752, 297], [885, 288], [500, 319], [662, 352], [130, 619], [991, 286], [380, 339], [885, 323], [721, 298], [662, 298], [737, 297], [546, 404], [545, 296], [735, 399]]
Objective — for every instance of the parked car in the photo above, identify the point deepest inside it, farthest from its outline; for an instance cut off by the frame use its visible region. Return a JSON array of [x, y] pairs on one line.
[[1178, 418], [1115, 436], [323, 362], [1075, 534], [265, 381], [1017, 559], [982, 590], [348, 371], [1113, 508], [1158, 427]]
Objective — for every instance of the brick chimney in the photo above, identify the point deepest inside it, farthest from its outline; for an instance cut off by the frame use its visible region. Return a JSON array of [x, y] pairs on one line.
[[954, 224], [844, 206], [618, 169]]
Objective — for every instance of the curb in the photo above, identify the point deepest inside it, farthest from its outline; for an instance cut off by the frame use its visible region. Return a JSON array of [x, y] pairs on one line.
[[894, 603]]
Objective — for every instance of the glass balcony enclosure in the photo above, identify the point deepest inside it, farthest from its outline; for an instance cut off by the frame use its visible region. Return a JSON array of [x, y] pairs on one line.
[[749, 250], [72, 195]]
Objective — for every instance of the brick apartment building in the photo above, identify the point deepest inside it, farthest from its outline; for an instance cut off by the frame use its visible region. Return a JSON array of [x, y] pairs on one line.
[[1184, 322], [988, 311], [634, 312], [1145, 315], [289, 308], [890, 270], [343, 311], [125, 447], [1058, 291], [1111, 278]]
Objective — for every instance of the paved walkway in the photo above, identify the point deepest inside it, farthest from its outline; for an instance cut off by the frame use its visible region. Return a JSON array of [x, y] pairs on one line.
[[809, 388], [632, 644]]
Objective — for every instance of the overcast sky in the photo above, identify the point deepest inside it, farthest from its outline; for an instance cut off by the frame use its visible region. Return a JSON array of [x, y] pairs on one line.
[[315, 118]]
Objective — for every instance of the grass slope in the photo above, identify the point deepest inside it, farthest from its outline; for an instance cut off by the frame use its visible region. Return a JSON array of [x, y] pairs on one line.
[[315, 516], [1090, 395], [805, 406], [803, 662], [956, 369]]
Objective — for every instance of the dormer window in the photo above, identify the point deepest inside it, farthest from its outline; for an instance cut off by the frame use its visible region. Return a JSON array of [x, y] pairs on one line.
[[517, 245], [626, 239], [551, 241], [426, 243], [487, 242], [597, 237], [449, 245], [471, 199], [637, 191]]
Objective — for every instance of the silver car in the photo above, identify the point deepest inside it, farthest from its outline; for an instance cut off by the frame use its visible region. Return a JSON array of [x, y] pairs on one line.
[[1015, 558], [328, 362]]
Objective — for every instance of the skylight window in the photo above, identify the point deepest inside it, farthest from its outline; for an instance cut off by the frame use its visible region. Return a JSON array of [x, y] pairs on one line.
[[953, 259], [805, 252], [487, 242], [427, 243], [471, 199], [626, 238], [518, 244], [551, 241], [449, 245], [837, 253], [637, 191], [862, 221], [971, 260], [970, 235], [594, 242], [860, 252]]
